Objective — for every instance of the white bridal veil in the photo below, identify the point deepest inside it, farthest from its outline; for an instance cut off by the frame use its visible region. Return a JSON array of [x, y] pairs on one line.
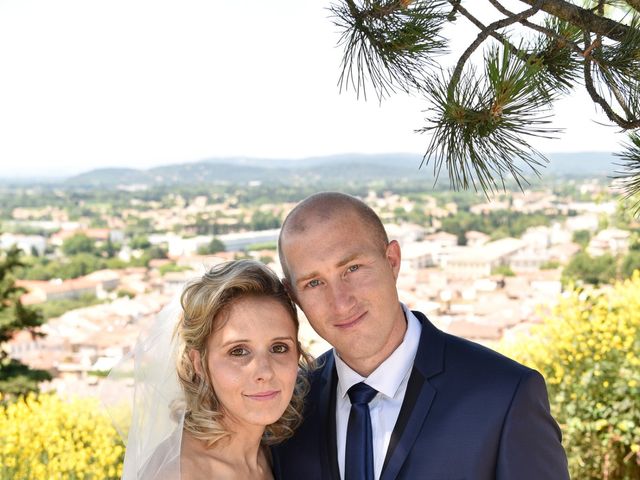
[[156, 403]]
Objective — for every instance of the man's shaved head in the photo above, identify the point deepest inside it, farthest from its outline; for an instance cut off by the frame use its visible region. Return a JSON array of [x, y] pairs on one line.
[[322, 207]]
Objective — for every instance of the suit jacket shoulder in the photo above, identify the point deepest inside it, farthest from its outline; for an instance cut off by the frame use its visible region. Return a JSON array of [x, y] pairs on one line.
[[488, 416]]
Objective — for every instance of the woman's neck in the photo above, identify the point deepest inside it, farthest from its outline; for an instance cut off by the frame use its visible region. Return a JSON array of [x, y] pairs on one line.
[[243, 446], [240, 455]]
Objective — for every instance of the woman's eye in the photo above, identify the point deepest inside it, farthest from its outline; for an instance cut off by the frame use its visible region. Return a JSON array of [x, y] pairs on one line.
[[280, 348], [238, 352]]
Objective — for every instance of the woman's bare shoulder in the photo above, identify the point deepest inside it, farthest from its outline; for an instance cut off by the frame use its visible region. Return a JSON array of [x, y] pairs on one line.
[[164, 462], [197, 463]]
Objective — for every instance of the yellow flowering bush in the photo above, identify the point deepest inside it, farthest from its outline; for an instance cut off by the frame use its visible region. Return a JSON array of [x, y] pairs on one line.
[[588, 349], [46, 437]]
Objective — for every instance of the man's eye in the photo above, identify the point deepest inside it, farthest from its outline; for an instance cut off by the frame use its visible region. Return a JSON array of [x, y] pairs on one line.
[[353, 268], [313, 283], [238, 352], [280, 348]]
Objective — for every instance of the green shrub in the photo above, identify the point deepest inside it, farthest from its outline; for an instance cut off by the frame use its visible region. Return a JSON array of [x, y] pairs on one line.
[[588, 349]]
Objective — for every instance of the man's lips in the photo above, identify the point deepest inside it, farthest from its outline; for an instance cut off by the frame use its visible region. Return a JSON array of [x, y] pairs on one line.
[[267, 395], [350, 322]]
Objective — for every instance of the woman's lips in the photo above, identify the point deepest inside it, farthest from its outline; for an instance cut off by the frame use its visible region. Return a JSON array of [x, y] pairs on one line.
[[261, 396]]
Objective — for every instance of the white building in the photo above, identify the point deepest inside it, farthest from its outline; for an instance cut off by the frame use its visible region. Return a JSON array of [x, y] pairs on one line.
[[560, 235], [537, 237], [475, 239], [607, 208], [528, 260], [478, 262], [587, 222], [235, 242], [443, 239], [611, 240], [178, 246], [419, 254], [405, 233], [27, 243]]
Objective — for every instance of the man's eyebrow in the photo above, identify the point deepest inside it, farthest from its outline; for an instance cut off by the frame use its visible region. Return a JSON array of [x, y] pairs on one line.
[[348, 259], [341, 263], [306, 277]]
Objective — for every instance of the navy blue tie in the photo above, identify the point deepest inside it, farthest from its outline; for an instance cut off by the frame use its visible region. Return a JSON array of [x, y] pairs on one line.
[[359, 451]]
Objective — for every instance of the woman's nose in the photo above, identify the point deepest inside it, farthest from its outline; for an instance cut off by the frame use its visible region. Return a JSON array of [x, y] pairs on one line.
[[264, 368]]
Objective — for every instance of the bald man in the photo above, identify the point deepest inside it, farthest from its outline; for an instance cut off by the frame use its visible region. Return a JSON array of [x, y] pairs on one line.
[[441, 407]]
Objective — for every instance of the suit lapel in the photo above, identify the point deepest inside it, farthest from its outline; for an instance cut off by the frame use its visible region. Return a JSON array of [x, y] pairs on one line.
[[417, 400], [327, 418]]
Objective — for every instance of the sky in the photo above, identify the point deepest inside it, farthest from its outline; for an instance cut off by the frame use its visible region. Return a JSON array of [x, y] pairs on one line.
[[138, 83]]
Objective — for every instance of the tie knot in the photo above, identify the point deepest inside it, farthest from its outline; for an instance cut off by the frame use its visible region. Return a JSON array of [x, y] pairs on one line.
[[361, 393]]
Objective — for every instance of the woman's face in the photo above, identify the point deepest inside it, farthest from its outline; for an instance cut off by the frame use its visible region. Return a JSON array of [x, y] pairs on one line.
[[253, 361]]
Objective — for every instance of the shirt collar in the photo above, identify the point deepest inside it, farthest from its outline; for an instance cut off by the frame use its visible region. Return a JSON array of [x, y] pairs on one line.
[[390, 374]]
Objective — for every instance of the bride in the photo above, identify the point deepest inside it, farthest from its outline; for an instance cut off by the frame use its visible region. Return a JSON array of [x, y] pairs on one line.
[[227, 382]]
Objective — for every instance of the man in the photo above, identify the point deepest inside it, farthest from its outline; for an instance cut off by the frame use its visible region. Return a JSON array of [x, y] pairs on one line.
[[441, 407]]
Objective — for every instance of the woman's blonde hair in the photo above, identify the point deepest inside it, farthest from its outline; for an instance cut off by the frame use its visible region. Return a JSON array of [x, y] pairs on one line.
[[205, 303]]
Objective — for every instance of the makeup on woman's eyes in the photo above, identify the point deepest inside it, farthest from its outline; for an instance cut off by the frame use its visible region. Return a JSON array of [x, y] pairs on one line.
[[238, 351], [279, 347]]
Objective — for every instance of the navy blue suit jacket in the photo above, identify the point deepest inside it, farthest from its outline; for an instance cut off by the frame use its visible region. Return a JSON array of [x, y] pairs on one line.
[[468, 413]]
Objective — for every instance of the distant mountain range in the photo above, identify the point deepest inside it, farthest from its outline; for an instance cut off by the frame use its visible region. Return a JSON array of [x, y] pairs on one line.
[[243, 170], [360, 167]]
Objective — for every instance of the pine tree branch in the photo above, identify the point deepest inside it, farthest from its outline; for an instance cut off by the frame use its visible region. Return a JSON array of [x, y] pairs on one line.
[[389, 44], [598, 99], [482, 36], [609, 79], [606, 71], [481, 26], [562, 41], [378, 11], [630, 178], [635, 4], [479, 132], [585, 19], [452, 14], [619, 96]]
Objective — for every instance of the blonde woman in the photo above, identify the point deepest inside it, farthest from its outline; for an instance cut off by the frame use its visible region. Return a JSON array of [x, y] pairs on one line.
[[240, 374]]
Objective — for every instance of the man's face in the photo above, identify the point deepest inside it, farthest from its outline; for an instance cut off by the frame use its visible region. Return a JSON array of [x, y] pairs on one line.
[[344, 280]]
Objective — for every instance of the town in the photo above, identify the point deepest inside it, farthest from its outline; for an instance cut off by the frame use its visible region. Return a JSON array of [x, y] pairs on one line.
[[101, 267]]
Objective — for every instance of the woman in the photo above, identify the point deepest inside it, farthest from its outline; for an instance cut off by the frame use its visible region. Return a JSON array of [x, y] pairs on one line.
[[237, 362]]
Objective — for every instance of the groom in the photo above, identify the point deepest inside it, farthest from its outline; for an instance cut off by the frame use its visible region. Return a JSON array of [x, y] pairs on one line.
[[436, 407]]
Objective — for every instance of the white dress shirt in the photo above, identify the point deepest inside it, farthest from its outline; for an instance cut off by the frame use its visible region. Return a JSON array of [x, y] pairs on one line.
[[390, 380]]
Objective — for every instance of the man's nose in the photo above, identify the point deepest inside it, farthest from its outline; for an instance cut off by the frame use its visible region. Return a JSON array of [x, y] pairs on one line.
[[342, 298]]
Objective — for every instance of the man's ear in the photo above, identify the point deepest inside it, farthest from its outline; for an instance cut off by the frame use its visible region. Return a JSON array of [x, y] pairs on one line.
[[394, 257], [196, 360]]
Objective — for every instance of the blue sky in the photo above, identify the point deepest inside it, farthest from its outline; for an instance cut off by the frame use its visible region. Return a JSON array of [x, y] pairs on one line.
[[139, 83]]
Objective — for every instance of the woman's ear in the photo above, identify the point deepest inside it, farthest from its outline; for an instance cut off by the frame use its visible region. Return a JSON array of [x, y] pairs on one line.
[[195, 358]]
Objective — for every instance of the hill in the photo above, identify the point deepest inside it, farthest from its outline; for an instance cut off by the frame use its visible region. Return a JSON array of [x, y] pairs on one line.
[[243, 170], [582, 164], [388, 167]]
